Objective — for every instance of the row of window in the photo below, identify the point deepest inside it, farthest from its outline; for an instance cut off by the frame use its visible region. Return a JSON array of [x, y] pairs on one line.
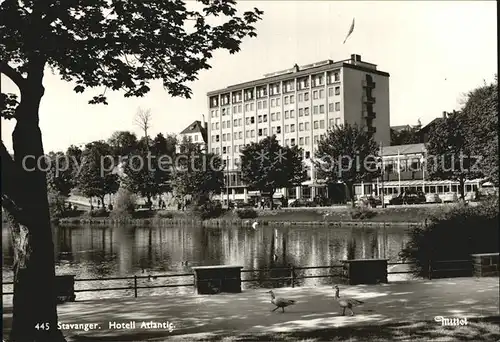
[[303, 126], [316, 94]]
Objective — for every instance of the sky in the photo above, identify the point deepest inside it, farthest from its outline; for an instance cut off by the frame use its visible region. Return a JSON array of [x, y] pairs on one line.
[[434, 51]]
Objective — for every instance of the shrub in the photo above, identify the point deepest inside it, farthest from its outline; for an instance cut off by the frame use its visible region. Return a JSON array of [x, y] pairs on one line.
[[208, 209], [101, 212], [125, 202], [362, 213], [56, 204], [453, 235], [164, 214], [246, 213]]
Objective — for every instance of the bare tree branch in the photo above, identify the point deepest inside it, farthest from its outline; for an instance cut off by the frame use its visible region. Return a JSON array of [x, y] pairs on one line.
[[143, 120]]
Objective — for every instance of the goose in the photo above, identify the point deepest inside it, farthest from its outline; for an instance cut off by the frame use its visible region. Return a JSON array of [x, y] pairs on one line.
[[255, 224], [344, 303], [280, 302]]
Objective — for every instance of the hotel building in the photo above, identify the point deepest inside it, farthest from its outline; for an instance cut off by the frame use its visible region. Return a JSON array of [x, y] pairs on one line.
[[298, 105]]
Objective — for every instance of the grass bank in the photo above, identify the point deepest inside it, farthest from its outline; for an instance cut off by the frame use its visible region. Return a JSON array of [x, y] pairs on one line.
[[287, 216]]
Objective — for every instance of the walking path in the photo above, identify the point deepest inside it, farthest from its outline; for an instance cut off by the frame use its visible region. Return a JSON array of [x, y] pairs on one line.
[[196, 316]]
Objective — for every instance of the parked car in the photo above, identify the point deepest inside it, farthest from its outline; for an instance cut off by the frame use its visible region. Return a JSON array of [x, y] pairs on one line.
[[409, 197], [449, 197], [388, 198], [302, 203], [432, 198], [470, 196], [368, 201]]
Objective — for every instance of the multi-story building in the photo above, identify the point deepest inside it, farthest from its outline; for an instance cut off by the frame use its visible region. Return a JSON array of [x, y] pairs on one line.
[[195, 133], [298, 105]]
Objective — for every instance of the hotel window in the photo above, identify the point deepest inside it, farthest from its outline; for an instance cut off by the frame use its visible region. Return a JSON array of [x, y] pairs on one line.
[[320, 79], [252, 120], [301, 141], [301, 111], [212, 113], [315, 110], [287, 128], [278, 129], [223, 149], [292, 99], [228, 123], [337, 122], [247, 134], [247, 121], [285, 100], [217, 138], [246, 107], [235, 123], [292, 142], [264, 104], [301, 97], [306, 126], [307, 154], [252, 133], [235, 135], [217, 150], [223, 111], [321, 109], [240, 135], [301, 126], [216, 113], [316, 125], [235, 148], [273, 102], [273, 116], [235, 110], [260, 132], [224, 137], [278, 102], [265, 131], [330, 107], [315, 94], [292, 114], [322, 124], [321, 93], [287, 142], [259, 105], [251, 106], [330, 123], [260, 118], [337, 90], [315, 139], [216, 125], [239, 108], [306, 96], [306, 142], [213, 138], [292, 128], [239, 122], [286, 114], [278, 116], [306, 111], [264, 117], [337, 106], [336, 76], [213, 150], [213, 125], [330, 92]]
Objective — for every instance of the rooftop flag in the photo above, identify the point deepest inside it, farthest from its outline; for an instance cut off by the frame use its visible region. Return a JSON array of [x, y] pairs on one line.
[[350, 31]]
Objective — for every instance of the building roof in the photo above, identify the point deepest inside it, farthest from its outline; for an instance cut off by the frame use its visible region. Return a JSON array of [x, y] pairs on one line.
[[430, 125], [403, 149], [293, 72], [194, 127], [401, 128]]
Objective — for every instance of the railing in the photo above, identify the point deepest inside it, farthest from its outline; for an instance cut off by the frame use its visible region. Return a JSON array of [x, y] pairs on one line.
[[292, 276]]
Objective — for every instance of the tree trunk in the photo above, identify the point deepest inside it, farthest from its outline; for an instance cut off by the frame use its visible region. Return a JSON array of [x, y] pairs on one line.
[[35, 308], [350, 193], [462, 187], [271, 203]]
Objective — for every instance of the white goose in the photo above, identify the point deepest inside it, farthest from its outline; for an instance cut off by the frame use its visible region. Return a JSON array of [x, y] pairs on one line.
[[344, 303], [255, 224], [280, 302]]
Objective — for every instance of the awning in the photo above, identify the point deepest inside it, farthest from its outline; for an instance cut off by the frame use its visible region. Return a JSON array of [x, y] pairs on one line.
[[410, 183]]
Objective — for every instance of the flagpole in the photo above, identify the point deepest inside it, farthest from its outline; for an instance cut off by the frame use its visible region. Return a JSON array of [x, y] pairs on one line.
[[382, 173]]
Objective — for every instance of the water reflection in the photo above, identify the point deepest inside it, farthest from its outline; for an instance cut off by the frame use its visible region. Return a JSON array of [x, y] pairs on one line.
[[117, 251]]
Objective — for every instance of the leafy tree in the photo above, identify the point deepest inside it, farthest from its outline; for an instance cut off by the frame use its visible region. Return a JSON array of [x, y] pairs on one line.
[[97, 177], [481, 116], [348, 154], [164, 145], [116, 45], [267, 166], [196, 173], [122, 143], [60, 174], [148, 171], [448, 151]]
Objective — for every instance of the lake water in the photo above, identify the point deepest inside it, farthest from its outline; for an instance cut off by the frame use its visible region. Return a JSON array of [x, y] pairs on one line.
[[119, 251]]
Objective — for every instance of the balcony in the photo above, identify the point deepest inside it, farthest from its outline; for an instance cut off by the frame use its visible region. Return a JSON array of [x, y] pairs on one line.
[[367, 84], [367, 99], [369, 114]]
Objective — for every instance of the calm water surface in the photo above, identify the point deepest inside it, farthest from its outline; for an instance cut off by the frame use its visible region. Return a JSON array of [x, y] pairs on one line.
[[118, 251]]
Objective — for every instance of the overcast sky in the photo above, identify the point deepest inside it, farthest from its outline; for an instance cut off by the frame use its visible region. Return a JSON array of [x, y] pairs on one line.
[[434, 52]]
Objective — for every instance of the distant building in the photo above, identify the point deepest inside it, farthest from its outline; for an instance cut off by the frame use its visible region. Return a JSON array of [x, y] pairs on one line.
[[424, 131], [196, 132], [298, 106]]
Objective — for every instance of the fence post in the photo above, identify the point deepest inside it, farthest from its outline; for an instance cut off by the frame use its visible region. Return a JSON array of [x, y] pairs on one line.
[[135, 286], [292, 275]]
